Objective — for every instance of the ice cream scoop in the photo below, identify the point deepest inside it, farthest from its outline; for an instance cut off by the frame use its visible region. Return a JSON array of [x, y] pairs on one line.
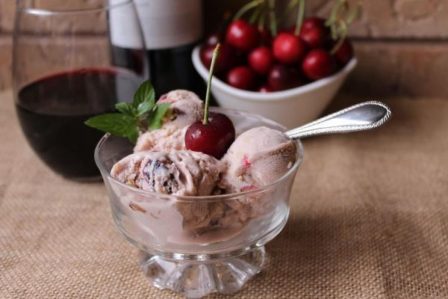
[[183, 173], [262, 155], [257, 157], [163, 139], [185, 109]]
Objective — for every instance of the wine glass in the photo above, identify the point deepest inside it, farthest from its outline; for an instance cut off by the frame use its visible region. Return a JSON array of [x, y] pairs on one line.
[[70, 62]]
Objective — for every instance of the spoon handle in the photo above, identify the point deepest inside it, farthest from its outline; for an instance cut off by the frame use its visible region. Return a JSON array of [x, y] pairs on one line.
[[363, 116]]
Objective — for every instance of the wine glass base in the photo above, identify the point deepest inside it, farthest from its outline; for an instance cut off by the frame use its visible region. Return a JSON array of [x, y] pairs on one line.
[[195, 279]]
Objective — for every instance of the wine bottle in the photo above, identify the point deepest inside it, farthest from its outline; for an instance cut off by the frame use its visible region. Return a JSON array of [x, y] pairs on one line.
[[171, 29]]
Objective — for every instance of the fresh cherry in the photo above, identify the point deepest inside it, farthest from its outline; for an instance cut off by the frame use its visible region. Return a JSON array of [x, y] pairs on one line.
[[242, 35], [316, 37], [215, 133], [344, 53], [227, 59], [265, 89], [261, 60], [212, 40], [283, 77], [241, 77], [206, 54], [318, 64], [265, 37], [214, 138], [288, 48], [312, 22]]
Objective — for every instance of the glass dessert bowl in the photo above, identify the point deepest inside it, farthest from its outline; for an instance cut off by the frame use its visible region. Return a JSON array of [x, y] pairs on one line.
[[196, 245]]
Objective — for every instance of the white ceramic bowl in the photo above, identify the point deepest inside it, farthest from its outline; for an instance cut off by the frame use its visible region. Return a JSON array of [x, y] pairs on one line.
[[292, 107]]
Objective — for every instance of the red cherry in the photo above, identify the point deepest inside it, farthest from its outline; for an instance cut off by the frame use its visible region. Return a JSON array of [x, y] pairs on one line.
[[265, 89], [288, 48], [226, 60], [214, 138], [344, 53], [212, 40], [316, 37], [265, 37], [312, 22], [206, 54], [241, 77], [318, 64], [242, 35], [283, 77], [261, 60]]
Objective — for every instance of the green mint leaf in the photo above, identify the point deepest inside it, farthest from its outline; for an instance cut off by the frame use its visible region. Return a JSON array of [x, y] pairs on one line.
[[116, 124], [144, 107], [125, 108], [145, 93], [156, 117], [133, 135]]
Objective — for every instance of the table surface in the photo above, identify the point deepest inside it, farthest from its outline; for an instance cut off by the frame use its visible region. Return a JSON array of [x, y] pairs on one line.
[[369, 219]]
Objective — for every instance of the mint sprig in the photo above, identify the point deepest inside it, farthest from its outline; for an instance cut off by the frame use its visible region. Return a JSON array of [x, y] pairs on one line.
[[117, 124], [141, 115], [157, 116]]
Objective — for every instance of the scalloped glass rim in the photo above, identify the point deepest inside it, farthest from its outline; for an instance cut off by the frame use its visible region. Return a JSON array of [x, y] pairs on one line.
[[271, 96], [206, 198]]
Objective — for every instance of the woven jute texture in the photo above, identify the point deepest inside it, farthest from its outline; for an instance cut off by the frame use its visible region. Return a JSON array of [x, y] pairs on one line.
[[369, 219]]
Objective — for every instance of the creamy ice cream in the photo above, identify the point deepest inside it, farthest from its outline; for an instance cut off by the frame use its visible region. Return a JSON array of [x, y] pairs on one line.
[[185, 109], [185, 106], [183, 173], [256, 158], [164, 139]]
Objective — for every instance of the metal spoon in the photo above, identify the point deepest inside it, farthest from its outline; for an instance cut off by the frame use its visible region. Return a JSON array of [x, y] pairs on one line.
[[363, 116]]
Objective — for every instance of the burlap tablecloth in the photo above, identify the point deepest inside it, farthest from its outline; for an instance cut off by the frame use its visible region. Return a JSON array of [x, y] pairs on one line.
[[369, 219]]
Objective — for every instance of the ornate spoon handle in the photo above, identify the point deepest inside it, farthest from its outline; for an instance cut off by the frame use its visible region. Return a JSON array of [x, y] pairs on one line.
[[363, 116]]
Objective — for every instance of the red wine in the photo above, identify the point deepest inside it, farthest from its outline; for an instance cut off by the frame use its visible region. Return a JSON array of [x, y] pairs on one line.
[[52, 111]]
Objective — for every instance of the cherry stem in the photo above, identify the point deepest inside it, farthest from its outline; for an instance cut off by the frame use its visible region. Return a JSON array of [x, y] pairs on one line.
[[341, 16], [341, 35], [261, 21], [272, 18], [300, 16], [209, 83], [249, 6]]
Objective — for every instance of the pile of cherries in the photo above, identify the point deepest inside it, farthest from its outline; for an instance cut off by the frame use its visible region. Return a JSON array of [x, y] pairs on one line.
[[252, 59]]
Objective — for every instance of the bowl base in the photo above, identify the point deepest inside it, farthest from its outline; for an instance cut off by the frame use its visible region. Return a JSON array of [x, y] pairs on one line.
[[202, 276]]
